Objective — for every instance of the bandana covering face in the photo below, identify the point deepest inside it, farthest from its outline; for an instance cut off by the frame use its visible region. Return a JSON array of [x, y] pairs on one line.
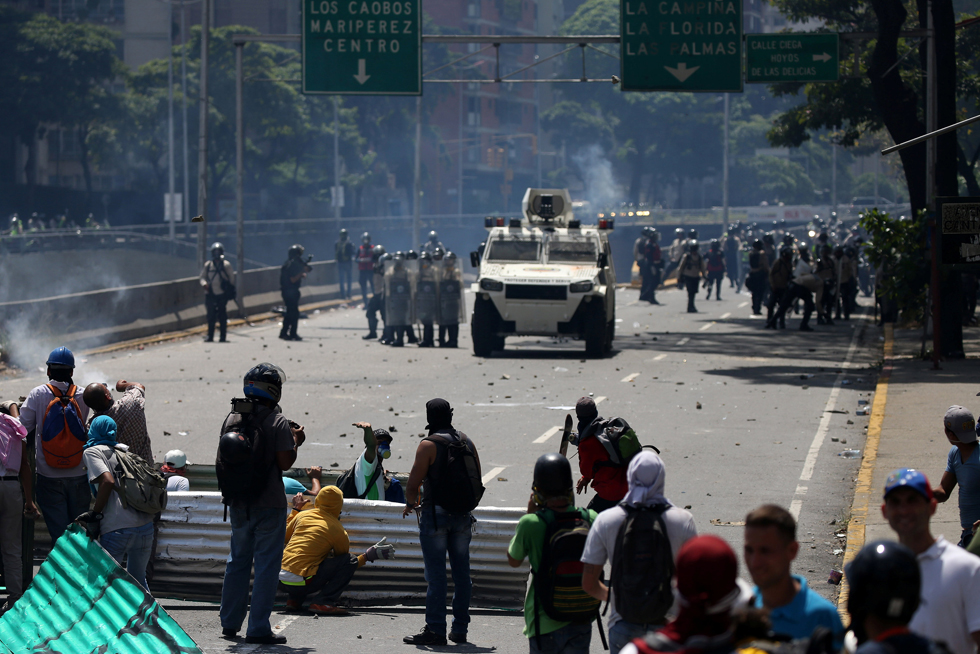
[[102, 432], [645, 476], [439, 414]]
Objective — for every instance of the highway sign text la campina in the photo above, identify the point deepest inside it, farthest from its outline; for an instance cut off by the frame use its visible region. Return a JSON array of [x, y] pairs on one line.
[[681, 45], [366, 47]]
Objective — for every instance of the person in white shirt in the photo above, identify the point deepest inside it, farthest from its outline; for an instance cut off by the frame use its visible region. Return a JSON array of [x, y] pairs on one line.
[[174, 470], [949, 610], [801, 287]]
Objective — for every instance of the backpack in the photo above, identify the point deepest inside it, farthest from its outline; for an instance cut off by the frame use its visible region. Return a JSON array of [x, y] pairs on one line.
[[348, 486], [247, 478], [139, 484], [459, 488], [643, 566], [620, 443], [63, 433], [558, 581]]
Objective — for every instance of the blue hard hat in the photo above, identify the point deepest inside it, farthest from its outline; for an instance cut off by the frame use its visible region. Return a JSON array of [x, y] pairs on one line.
[[61, 358]]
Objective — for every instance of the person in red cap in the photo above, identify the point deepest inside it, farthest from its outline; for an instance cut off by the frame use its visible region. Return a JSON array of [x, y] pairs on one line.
[[608, 481], [706, 592]]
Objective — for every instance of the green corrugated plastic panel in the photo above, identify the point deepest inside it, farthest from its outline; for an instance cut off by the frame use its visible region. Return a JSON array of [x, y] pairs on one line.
[[82, 601]]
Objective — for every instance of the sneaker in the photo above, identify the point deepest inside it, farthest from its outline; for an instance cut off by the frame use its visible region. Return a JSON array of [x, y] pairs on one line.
[[293, 606], [369, 337], [457, 637], [327, 609], [425, 638], [229, 633], [268, 639]]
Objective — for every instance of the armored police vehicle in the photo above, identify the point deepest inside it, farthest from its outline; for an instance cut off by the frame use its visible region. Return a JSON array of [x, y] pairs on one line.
[[544, 274]]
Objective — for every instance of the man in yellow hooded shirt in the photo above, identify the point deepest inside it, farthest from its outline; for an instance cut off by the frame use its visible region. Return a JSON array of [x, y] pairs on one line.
[[317, 559]]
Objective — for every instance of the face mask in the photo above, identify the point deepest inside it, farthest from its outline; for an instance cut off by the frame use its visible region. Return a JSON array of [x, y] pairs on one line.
[[384, 450]]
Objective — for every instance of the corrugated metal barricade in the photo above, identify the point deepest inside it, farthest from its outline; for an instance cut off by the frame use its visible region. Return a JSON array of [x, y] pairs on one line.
[[193, 546]]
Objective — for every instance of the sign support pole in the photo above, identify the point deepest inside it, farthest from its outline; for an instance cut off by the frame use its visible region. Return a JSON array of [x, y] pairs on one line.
[[239, 177], [336, 162], [170, 125], [724, 170], [202, 141], [417, 185]]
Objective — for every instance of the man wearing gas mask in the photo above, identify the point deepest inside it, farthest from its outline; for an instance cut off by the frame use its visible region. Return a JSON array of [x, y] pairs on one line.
[[369, 472]]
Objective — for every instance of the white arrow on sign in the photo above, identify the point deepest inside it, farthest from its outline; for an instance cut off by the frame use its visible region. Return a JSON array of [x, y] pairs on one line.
[[361, 76], [822, 57], [682, 72]]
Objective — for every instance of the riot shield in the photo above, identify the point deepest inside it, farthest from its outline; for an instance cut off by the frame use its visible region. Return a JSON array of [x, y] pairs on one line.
[[452, 308], [399, 292], [427, 292]]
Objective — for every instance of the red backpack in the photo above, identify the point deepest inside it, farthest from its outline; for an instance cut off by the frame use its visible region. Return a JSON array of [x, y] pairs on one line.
[[63, 433]]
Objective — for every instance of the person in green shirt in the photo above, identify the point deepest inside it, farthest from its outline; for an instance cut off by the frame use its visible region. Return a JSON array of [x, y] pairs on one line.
[[553, 493], [369, 471]]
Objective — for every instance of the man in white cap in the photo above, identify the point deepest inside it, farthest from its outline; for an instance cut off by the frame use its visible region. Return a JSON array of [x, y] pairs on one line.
[[174, 470], [639, 590], [963, 468]]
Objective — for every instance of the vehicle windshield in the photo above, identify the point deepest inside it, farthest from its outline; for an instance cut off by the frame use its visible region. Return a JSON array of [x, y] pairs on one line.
[[570, 249], [514, 249]]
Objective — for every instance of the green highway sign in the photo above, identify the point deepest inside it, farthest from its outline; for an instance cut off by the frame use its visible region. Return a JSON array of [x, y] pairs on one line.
[[792, 57], [362, 47], [681, 45]]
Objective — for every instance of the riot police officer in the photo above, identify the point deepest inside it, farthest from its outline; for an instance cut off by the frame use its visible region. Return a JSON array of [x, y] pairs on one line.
[[433, 243], [290, 277], [398, 297], [450, 301], [427, 298], [376, 304]]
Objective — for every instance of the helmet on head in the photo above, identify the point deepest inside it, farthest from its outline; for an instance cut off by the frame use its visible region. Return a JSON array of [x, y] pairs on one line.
[[411, 255], [450, 257], [654, 235], [679, 232], [265, 381], [365, 238], [646, 230], [438, 254], [343, 233], [377, 251], [296, 251], [769, 238], [217, 249], [758, 245], [433, 236], [693, 245], [715, 244], [692, 233], [788, 239], [61, 358], [425, 256], [885, 582], [552, 477], [399, 256]]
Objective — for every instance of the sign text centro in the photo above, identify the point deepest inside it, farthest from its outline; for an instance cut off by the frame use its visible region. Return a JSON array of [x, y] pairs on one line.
[[367, 47], [681, 45]]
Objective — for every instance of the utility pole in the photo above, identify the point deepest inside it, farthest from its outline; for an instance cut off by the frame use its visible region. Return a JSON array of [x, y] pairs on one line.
[[877, 172], [459, 156], [336, 161], [183, 101], [170, 124], [202, 142], [724, 171], [833, 177], [934, 282], [239, 174], [417, 186]]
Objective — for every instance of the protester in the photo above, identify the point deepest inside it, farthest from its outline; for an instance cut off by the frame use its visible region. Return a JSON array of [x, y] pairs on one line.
[[444, 525], [637, 582], [62, 489], [608, 481], [174, 470], [690, 271], [706, 591], [258, 509], [123, 531], [372, 481], [316, 559], [291, 275], [295, 487], [129, 413], [16, 500], [344, 256], [948, 610], [963, 468], [218, 281], [551, 506], [770, 548]]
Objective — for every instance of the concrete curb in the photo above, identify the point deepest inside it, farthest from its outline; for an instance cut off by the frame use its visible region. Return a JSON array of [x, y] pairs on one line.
[[863, 492]]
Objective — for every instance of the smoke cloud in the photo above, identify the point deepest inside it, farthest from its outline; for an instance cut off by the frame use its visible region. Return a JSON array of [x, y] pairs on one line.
[[597, 175]]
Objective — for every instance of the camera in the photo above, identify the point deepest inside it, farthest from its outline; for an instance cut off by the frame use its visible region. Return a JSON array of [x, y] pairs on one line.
[[242, 405]]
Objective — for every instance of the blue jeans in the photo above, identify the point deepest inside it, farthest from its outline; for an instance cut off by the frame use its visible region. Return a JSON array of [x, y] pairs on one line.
[[61, 500], [344, 275], [136, 543], [259, 538], [623, 633], [966, 536], [442, 532], [570, 639]]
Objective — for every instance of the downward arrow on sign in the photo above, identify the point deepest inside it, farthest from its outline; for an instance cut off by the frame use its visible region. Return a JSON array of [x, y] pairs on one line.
[[822, 57], [361, 77], [682, 72]]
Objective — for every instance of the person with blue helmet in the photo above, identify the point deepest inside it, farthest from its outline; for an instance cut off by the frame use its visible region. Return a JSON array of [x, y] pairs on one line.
[[62, 488]]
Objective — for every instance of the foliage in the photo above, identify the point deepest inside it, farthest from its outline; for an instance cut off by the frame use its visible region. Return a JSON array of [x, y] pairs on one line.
[[897, 250]]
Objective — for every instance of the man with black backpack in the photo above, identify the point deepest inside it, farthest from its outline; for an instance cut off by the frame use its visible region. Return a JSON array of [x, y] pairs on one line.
[[558, 613], [449, 465], [606, 478], [257, 443], [640, 538]]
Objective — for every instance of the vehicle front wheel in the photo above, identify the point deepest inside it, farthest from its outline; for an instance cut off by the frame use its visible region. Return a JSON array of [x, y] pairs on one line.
[[596, 337], [483, 329]]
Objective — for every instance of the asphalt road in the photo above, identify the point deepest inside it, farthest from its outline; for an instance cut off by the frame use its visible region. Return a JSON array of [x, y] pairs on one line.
[[742, 416]]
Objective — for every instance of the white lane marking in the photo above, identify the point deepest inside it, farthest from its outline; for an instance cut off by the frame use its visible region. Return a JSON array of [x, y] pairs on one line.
[[811, 458], [633, 303], [743, 305], [285, 622], [706, 327], [600, 399], [548, 434], [683, 341], [725, 315], [630, 377], [487, 478], [659, 357]]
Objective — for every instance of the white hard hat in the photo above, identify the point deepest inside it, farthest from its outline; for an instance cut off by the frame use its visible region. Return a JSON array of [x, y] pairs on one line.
[[175, 459]]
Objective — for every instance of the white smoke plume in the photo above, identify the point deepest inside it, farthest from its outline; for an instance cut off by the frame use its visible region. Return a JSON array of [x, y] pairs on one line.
[[597, 175]]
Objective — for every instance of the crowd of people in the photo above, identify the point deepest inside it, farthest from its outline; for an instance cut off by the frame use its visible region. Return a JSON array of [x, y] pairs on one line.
[[670, 589]]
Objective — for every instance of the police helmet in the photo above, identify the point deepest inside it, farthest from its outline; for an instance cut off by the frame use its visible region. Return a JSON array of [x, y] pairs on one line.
[[788, 239], [884, 582], [552, 476], [438, 253], [61, 358], [377, 251], [433, 236], [425, 256], [450, 257], [715, 244], [399, 256], [265, 381], [387, 256], [654, 235], [411, 255], [234, 448], [296, 251], [692, 234], [365, 238], [769, 238], [217, 249], [758, 245], [679, 232], [343, 233], [693, 245], [646, 230], [823, 236], [775, 224]]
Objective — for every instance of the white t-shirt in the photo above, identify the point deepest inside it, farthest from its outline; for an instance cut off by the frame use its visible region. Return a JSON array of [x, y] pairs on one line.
[[97, 460], [950, 606], [178, 483], [601, 543]]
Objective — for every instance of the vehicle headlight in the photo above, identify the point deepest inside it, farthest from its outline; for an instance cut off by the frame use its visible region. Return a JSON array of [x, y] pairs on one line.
[[812, 233], [580, 287], [491, 285]]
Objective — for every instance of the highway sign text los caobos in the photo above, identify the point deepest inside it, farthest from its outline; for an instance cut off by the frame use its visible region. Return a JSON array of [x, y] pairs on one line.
[[669, 45], [368, 47], [792, 57]]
